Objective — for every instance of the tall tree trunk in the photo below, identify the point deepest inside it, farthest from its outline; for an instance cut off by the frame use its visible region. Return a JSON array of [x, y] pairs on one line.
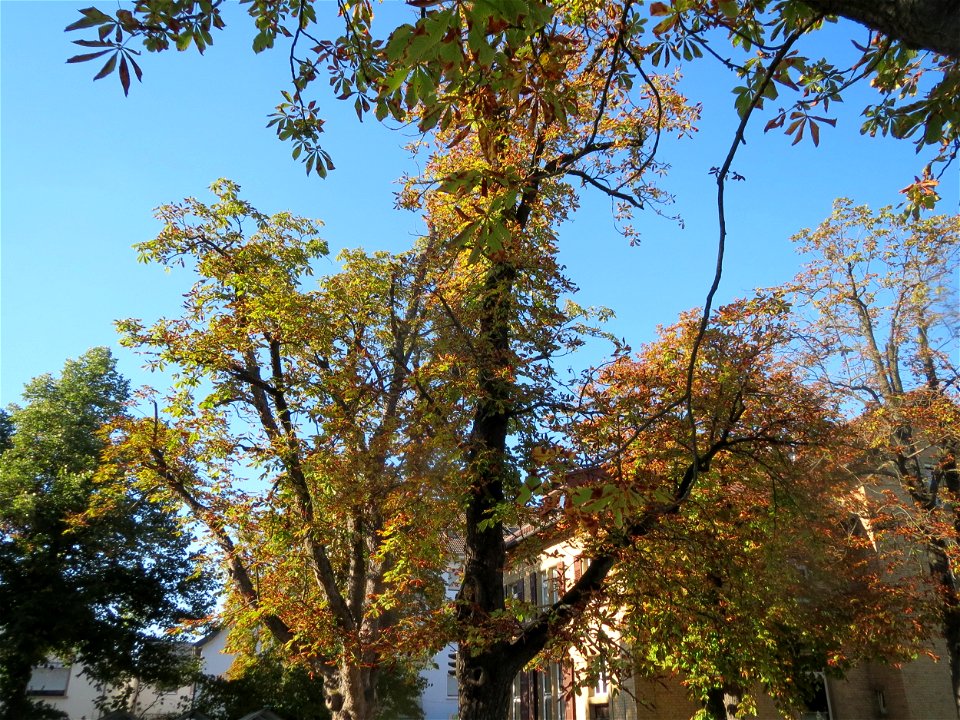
[[947, 475], [484, 671], [488, 696]]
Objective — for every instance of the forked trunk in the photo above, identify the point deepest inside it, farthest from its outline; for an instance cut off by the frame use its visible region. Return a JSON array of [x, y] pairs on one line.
[[351, 693]]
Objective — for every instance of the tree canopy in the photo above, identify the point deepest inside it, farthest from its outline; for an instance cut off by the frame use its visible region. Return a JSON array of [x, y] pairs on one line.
[[329, 440], [529, 59], [433, 374], [90, 569]]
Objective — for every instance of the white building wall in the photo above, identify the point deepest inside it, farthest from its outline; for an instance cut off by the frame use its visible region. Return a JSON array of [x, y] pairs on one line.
[[79, 700], [215, 660], [439, 700]]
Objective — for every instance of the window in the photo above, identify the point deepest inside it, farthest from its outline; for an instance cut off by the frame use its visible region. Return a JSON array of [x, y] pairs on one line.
[[602, 686], [49, 679], [600, 711], [548, 586], [818, 704], [515, 709], [547, 708]]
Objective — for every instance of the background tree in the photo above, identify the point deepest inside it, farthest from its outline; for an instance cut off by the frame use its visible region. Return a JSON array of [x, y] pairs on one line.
[[761, 578], [266, 678], [89, 570], [881, 327]]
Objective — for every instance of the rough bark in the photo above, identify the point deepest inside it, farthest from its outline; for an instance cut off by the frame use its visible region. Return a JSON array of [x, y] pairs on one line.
[[922, 24], [947, 475], [351, 694], [484, 672]]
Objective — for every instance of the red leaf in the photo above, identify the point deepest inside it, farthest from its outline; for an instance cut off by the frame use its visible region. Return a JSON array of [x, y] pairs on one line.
[[88, 56], [124, 76], [136, 69], [92, 43], [107, 68]]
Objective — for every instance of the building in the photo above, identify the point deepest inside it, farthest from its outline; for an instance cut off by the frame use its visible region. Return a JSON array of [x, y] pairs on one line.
[[575, 689], [67, 688]]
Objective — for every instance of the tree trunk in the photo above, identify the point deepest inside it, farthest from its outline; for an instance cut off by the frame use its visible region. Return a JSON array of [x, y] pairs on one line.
[[484, 670], [351, 693], [486, 685], [722, 703], [951, 632], [921, 24], [947, 474]]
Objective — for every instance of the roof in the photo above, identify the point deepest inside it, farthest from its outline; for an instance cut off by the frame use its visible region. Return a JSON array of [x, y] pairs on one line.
[[210, 635]]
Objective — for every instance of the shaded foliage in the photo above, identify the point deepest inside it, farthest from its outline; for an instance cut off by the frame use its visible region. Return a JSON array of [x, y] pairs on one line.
[[90, 569]]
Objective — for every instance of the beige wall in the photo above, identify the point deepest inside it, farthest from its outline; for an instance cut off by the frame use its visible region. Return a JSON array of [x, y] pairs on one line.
[[919, 690]]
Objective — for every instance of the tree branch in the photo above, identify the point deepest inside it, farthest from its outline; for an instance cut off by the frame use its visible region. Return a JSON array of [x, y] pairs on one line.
[[921, 24]]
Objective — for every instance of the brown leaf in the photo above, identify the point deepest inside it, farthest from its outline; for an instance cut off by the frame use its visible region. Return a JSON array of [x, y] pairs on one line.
[[124, 76]]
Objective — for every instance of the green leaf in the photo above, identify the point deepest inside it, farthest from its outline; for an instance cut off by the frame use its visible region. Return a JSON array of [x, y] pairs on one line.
[[524, 495], [184, 39], [399, 39]]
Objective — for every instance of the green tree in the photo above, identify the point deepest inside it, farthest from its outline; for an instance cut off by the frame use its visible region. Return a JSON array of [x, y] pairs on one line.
[[89, 570], [267, 681]]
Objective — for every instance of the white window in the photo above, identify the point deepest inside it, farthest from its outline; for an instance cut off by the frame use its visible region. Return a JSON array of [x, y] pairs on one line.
[[546, 702], [548, 586], [602, 687], [49, 679], [515, 705]]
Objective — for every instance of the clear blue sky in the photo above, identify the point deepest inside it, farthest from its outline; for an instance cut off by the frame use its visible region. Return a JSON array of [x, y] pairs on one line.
[[83, 167]]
